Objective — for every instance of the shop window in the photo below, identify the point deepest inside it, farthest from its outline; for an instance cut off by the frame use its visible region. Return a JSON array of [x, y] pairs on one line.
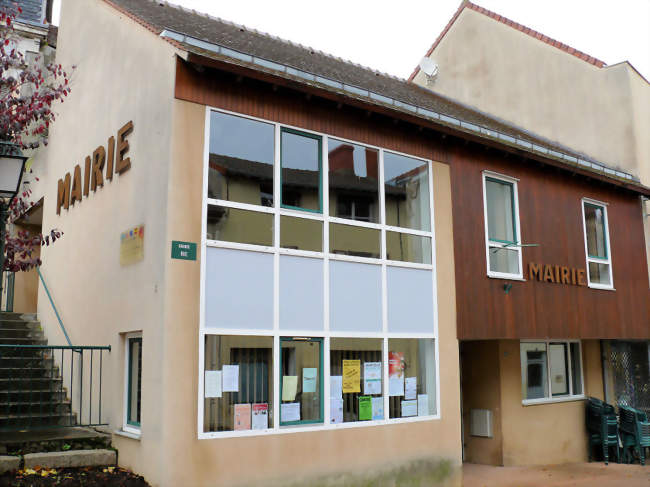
[[301, 380], [301, 155], [238, 383], [599, 264], [502, 226], [240, 226], [356, 380], [550, 370], [241, 159], [133, 382], [411, 377], [406, 247], [407, 193], [353, 181]]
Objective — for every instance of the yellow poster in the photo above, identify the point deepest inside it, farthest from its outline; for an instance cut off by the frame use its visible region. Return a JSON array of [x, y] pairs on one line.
[[351, 376], [132, 246]]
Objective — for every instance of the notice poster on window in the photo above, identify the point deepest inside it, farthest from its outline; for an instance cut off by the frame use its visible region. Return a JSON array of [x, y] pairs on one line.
[[212, 385], [242, 419], [411, 388], [395, 374], [309, 379], [336, 386], [377, 408], [289, 387], [336, 410], [372, 378], [351, 376], [423, 405], [230, 377], [290, 412], [409, 408], [365, 408], [260, 420]]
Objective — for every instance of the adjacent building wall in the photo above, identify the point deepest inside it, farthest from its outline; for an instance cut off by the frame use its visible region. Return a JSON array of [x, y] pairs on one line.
[[603, 112]]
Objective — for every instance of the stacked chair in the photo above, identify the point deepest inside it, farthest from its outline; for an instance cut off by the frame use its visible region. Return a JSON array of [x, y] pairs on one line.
[[602, 428], [635, 433]]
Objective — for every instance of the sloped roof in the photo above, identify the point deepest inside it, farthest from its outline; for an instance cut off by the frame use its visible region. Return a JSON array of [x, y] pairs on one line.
[[210, 37], [515, 25]]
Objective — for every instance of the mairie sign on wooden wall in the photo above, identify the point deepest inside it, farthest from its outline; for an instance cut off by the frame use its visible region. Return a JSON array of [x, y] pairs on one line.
[[109, 157], [557, 274]]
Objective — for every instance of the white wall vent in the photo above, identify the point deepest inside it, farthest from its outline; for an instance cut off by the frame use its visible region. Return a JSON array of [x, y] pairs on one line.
[[481, 422]]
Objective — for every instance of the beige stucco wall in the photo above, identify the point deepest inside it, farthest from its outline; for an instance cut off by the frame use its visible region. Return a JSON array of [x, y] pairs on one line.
[[605, 113], [544, 433], [116, 61], [297, 457]]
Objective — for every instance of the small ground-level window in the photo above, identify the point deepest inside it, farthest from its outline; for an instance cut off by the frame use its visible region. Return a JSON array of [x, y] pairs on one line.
[[133, 382], [411, 377], [238, 383], [550, 370]]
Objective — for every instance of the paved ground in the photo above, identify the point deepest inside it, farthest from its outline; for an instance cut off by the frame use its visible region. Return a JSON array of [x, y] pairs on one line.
[[570, 475]]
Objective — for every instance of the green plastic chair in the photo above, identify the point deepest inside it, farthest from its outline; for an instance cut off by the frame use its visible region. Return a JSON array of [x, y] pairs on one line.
[[602, 428], [635, 433]]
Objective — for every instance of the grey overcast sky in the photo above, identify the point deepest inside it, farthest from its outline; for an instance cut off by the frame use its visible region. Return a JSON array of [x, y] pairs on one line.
[[392, 36]]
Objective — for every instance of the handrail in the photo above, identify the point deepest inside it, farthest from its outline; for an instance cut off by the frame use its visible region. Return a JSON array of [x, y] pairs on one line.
[[54, 307]]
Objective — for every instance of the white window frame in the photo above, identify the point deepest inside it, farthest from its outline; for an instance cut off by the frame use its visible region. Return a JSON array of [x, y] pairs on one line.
[[129, 428], [589, 259], [565, 398], [326, 257], [493, 244]]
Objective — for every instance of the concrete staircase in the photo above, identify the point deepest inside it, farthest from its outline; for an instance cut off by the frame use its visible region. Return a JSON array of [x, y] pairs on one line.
[[32, 395]]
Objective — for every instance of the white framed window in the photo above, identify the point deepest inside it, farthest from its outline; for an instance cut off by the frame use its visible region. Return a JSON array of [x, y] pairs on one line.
[[314, 266], [502, 230], [551, 371], [597, 248], [132, 382]]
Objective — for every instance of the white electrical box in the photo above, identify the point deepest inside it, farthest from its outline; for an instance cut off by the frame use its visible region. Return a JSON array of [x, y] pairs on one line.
[[480, 422]]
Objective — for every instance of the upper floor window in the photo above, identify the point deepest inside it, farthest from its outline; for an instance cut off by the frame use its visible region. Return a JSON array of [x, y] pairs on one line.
[[599, 262], [503, 249]]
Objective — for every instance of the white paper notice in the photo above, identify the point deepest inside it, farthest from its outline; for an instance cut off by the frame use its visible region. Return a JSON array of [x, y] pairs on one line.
[[423, 405], [372, 378], [411, 388], [409, 408], [377, 408], [230, 378], [336, 410], [290, 412], [212, 383], [396, 386], [260, 416], [336, 386]]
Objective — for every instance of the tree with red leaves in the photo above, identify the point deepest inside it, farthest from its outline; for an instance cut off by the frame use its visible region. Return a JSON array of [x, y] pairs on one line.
[[27, 94]]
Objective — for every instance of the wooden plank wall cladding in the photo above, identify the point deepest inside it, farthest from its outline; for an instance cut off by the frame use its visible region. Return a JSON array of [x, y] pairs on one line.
[[550, 215]]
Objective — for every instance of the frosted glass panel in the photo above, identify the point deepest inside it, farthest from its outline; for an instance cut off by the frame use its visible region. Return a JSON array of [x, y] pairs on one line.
[[410, 300], [301, 293], [238, 289], [355, 297]]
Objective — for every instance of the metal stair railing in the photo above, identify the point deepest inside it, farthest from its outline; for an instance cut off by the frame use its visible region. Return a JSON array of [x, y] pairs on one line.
[[56, 312]]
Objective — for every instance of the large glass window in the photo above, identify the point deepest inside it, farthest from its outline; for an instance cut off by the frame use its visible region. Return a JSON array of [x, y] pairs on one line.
[[503, 244], [550, 366], [599, 264], [301, 380], [241, 159], [301, 171], [411, 377], [406, 186]]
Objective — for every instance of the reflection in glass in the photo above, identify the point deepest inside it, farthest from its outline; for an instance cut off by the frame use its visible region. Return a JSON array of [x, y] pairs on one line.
[[408, 248], [301, 165], [534, 379], [243, 226], [254, 396], [559, 369], [357, 241], [368, 351], [500, 210], [504, 260], [301, 380], [301, 234], [241, 160], [353, 181], [595, 228], [407, 190], [411, 377], [599, 273]]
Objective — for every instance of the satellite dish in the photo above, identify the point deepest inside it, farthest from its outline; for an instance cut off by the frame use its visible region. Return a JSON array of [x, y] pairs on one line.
[[430, 68]]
